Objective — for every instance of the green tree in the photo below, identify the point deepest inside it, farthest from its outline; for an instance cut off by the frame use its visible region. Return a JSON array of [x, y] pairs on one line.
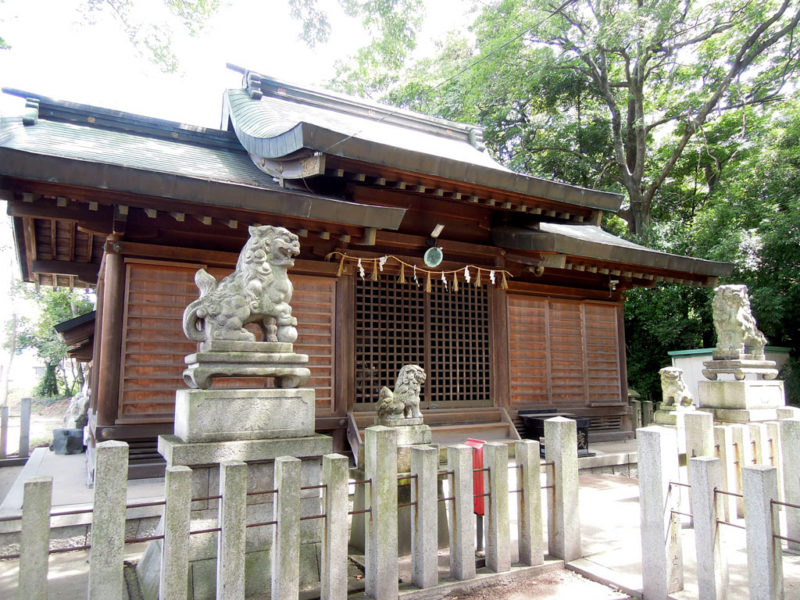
[[61, 375]]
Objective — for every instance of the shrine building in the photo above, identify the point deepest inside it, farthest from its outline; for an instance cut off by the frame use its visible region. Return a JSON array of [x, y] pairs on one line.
[[416, 247]]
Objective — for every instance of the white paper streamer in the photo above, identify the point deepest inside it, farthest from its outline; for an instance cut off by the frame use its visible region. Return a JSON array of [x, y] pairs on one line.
[[382, 261], [491, 277], [467, 277], [361, 269], [444, 281]]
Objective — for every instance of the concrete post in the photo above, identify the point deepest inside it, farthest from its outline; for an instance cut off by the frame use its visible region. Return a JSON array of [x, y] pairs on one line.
[[24, 427], [232, 521], [705, 475], [744, 457], [662, 556], [424, 516], [647, 412], [529, 506], [35, 538], [788, 412], [790, 450], [380, 457], [563, 518], [174, 574], [3, 431], [108, 521], [699, 429], [723, 443], [462, 518], [498, 541], [333, 574], [772, 453], [286, 536], [764, 554], [758, 442]]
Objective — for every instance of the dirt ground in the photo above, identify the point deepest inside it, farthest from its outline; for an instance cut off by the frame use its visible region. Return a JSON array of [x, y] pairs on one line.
[[562, 584]]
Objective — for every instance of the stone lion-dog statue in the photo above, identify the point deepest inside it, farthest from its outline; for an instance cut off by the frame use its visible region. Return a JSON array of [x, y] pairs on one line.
[[403, 402], [258, 291], [735, 325], [673, 388]]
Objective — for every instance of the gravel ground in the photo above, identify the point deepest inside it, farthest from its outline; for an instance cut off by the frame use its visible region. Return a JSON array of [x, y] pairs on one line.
[[554, 584]]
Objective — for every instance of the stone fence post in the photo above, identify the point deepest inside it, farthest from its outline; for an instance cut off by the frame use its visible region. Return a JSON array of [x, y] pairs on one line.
[[699, 427], [462, 518], [333, 574], [662, 557], [424, 516], [3, 431], [498, 540], [563, 518], [286, 537], [173, 578], [764, 554], [723, 443], [744, 457], [529, 507], [24, 427], [108, 521], [705, 476], [231, 538], [790, 449], [35, 538], [380, 457]]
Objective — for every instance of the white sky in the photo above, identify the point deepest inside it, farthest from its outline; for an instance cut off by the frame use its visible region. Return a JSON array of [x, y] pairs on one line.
[[55, 52]]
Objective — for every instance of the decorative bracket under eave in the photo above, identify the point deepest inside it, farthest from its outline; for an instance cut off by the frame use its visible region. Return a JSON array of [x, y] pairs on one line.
[[293, 168]]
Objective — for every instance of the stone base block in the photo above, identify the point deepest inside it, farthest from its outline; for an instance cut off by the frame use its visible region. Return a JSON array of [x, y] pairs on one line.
[[243, 414], [668, 417], [734, 415], [741, 395], [192, 454]]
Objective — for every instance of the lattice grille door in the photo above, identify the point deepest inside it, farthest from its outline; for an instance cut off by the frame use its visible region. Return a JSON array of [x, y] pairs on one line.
[[445, 332]]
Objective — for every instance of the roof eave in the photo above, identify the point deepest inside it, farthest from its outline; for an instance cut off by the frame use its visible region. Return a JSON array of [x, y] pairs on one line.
[[541, 241], [69, 171]]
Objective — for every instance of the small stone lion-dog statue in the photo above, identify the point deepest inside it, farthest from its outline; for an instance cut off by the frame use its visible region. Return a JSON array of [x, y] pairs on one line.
[[673, 388], [258, 291], [736, 328], [403, 402]]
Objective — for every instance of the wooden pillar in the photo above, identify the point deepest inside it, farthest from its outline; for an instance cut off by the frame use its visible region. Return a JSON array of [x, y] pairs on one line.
[[498, 336], [108, 365]]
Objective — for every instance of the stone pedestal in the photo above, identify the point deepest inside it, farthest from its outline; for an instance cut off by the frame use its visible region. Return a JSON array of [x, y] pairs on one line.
[[753, 395], [256, 427]]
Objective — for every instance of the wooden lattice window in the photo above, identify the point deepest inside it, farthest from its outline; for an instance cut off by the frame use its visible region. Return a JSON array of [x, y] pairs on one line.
[[445, 332]]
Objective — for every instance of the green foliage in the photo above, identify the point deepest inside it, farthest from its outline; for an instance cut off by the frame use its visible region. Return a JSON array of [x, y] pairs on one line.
[[151, 32], [55, 306]]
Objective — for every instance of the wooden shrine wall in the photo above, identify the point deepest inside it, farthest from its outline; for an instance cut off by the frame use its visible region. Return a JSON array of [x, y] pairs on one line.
[[154, 346], [564, 353]]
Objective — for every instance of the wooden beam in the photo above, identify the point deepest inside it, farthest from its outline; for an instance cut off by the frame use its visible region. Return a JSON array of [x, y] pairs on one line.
[[86, 272], [151, 212], [205, 220], [95, 221], [53, 239]]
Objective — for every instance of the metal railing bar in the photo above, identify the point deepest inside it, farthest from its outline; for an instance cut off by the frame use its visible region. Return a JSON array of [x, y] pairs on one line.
[[261, 524], [263, 492], [311, 517], [149, 538], [683, 514], [143, 504], [736, 525], [716, 491]]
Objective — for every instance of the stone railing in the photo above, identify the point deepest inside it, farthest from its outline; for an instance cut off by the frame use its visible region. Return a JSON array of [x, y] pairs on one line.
[[381, 556], [734, 471]]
